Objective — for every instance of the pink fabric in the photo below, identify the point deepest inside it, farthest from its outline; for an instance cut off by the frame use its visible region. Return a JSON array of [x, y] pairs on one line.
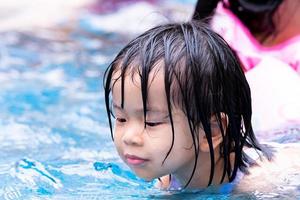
[[249, 50]]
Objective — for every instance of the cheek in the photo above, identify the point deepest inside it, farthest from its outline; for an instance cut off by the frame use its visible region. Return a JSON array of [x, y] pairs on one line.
[[183, 135], [183, 149], [162, 143], [117, 139], [160, 137]]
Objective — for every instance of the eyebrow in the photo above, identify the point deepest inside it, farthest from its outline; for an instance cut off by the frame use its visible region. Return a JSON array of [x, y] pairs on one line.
[[149, 109]]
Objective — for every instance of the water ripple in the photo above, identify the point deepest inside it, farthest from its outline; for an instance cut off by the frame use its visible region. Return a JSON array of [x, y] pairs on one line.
[[35, 175]]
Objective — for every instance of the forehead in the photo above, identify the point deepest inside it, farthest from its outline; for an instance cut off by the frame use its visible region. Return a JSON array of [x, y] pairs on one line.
[[133, 74], [132, 88]]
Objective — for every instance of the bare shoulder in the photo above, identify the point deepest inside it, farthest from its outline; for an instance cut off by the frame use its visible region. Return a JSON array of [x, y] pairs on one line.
[[163, 182], [269, 174]]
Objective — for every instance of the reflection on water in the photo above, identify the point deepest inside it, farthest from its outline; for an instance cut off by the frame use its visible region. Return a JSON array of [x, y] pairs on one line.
[[54, 138]]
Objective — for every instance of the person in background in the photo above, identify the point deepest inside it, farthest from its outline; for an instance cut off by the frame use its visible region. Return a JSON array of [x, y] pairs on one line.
[[266, 37], [256, 29]]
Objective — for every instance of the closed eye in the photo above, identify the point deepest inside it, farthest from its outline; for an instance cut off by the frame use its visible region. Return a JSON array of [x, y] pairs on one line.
[[152, 124], [121, 120]]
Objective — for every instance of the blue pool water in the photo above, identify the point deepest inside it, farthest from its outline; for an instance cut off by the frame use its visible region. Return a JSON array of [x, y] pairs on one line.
[[54, 138]]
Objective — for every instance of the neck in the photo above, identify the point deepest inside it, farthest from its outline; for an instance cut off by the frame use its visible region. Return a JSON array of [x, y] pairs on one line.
[[287, 23]]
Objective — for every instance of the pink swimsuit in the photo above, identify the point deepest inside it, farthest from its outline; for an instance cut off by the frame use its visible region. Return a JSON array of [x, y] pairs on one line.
[[272, 73], [247, 47]]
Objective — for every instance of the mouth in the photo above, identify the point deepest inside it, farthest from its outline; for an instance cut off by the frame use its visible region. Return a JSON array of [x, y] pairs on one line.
[[134, 160]]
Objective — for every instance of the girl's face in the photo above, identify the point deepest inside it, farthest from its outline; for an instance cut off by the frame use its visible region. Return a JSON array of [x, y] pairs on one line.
[[142, 148]]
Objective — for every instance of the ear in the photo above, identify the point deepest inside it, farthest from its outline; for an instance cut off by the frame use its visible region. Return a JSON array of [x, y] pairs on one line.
[[216, 134]]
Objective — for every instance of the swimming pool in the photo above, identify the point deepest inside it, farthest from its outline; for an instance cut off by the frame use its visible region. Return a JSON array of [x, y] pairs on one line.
[[54, 138]]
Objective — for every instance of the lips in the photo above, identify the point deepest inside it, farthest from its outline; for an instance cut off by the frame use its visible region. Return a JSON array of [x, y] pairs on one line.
[[134, 160]]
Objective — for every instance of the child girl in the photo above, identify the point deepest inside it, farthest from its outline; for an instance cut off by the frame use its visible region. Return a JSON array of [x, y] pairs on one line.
[[182, 108]]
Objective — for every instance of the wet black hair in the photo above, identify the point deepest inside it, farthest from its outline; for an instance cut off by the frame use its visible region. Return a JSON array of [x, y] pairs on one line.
[[257, 15], [202, 76]]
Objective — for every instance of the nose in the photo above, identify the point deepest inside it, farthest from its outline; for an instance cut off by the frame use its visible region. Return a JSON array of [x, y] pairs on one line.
[[133, 135]]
